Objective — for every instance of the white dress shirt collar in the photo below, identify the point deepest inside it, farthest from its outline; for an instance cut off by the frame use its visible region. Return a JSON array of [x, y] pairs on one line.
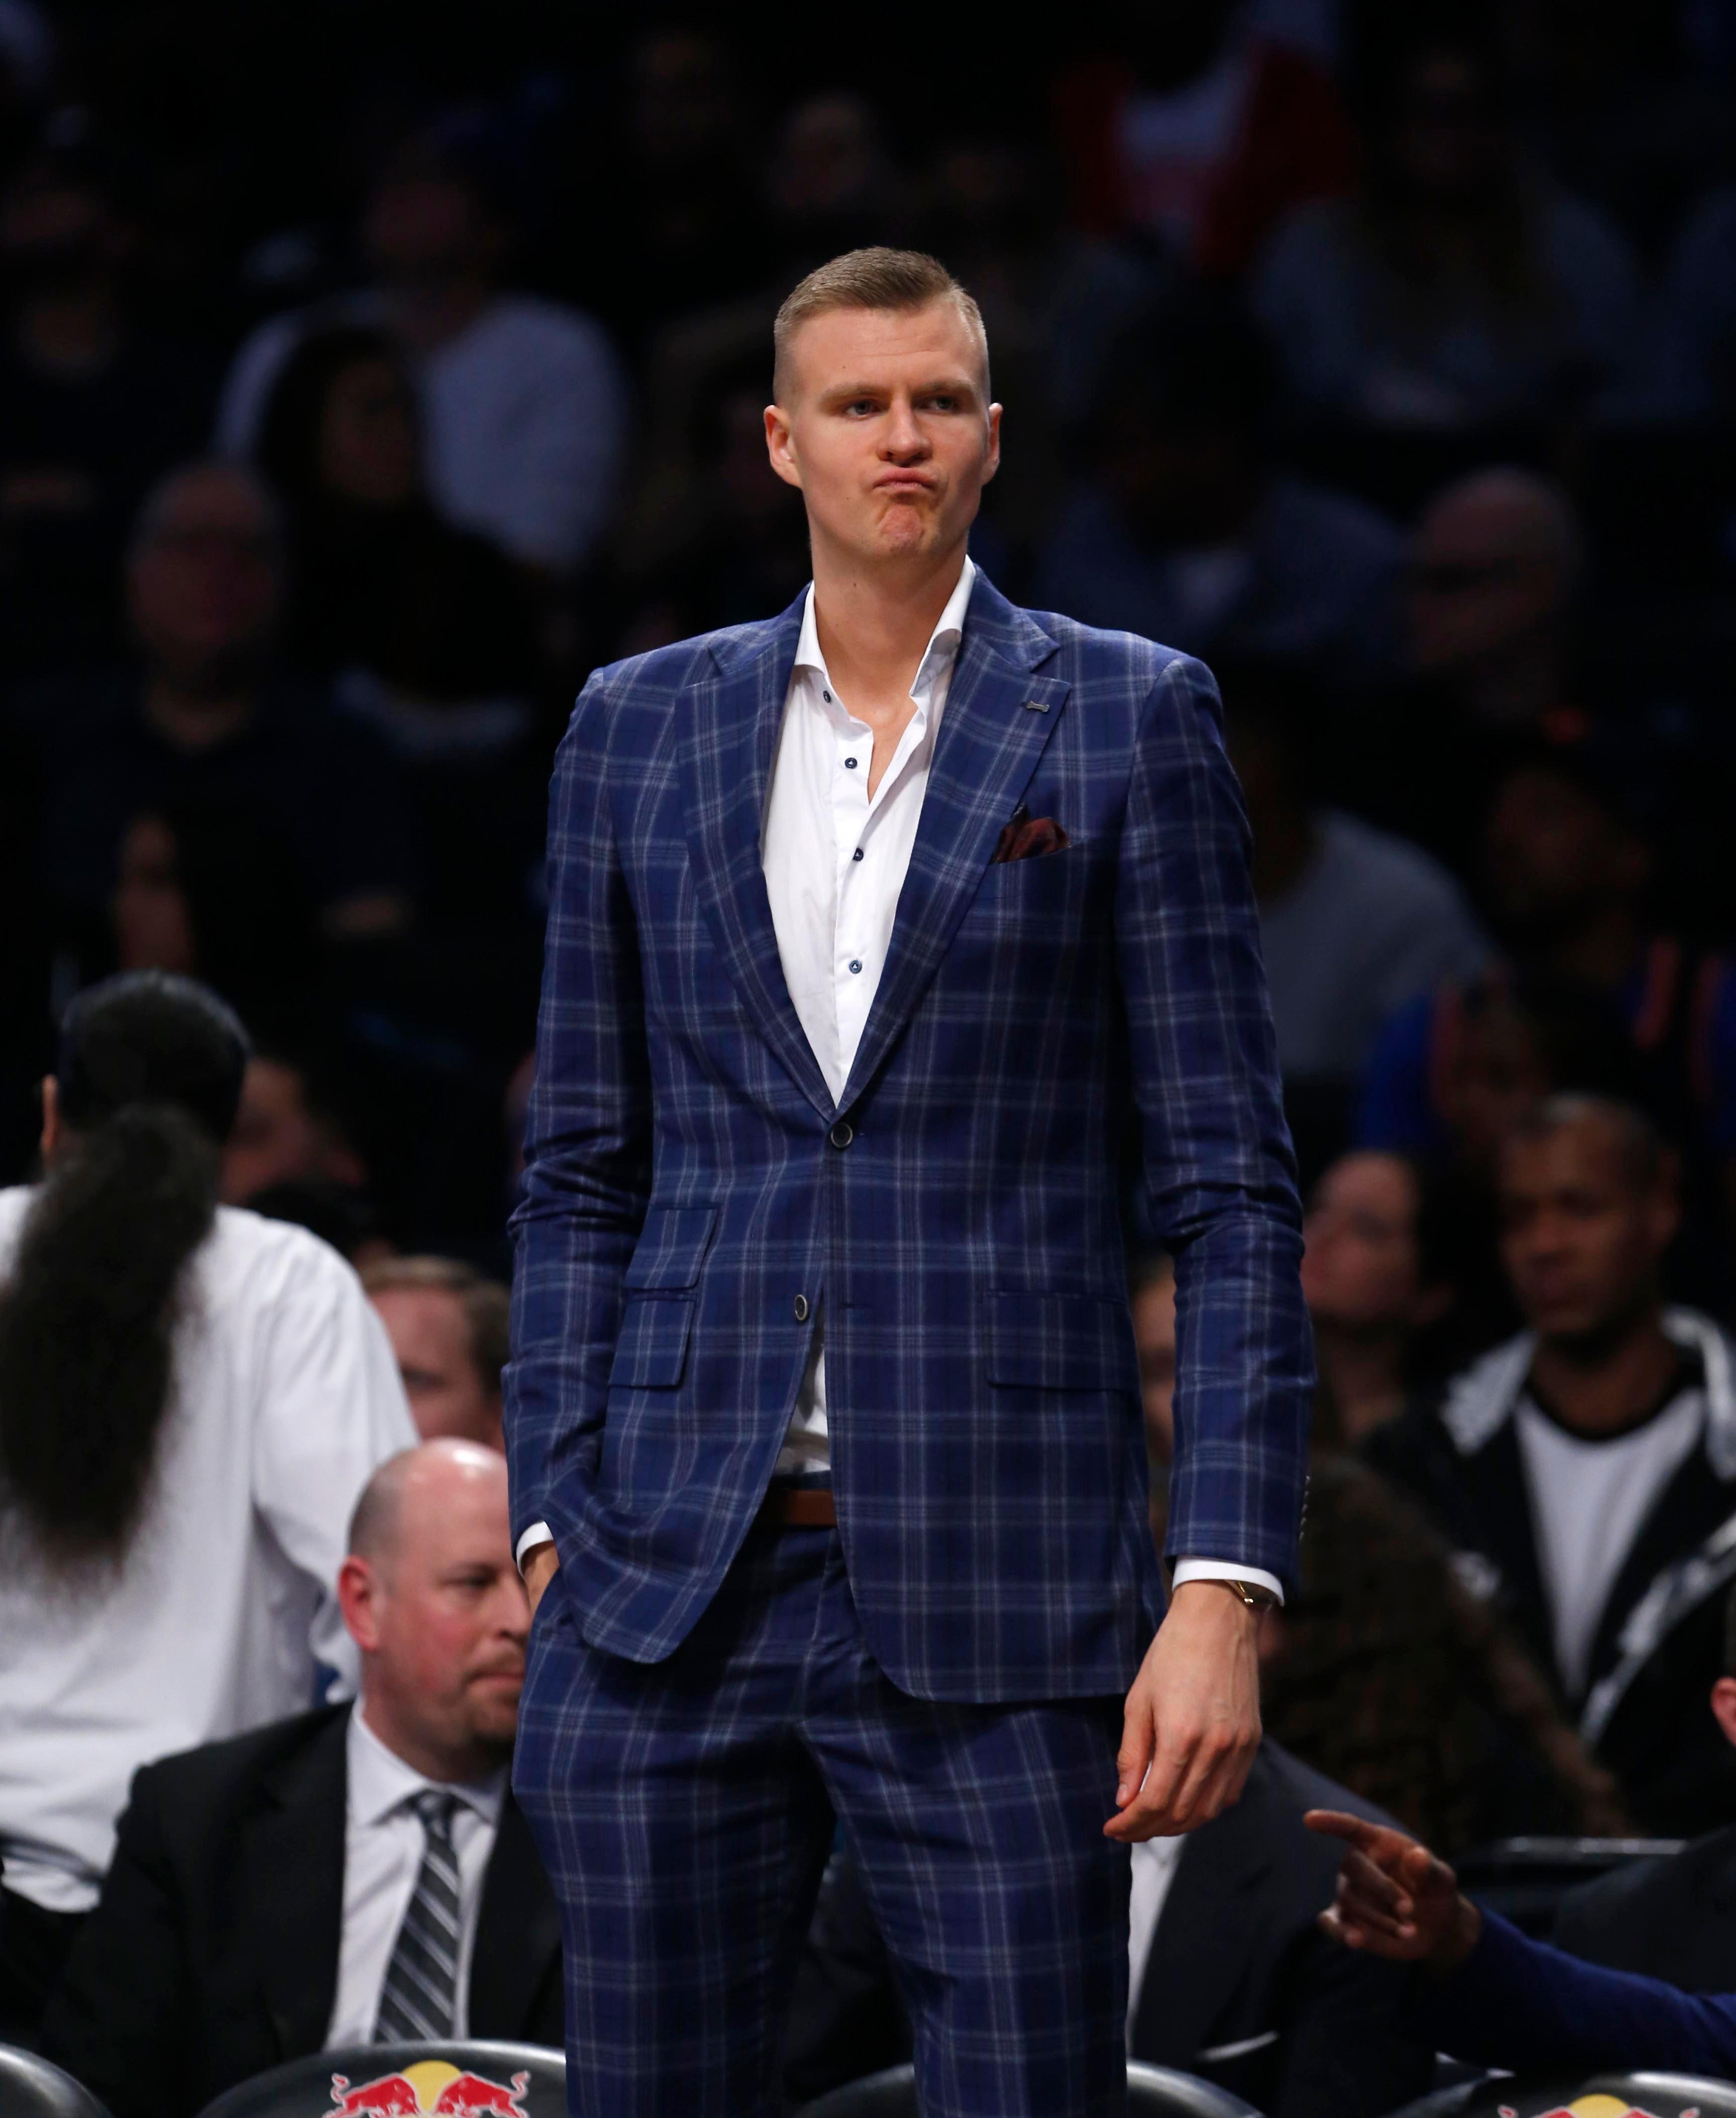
[[380, 1782], [942, 643]]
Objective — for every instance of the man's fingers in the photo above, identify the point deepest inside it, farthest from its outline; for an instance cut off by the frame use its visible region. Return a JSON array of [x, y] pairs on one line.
[[1133, 1761], [1339, 1823], [1361, 1874], [1190, 1783]]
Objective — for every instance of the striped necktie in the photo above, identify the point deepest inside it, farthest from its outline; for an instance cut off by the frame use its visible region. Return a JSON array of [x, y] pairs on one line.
[[418, 1997]]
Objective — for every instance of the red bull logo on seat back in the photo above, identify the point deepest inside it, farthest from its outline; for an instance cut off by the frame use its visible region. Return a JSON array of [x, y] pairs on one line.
[[430, 2088]]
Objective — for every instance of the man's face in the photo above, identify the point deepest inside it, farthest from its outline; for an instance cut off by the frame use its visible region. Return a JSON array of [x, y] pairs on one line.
[[1550, 853], [442, 1615], [430, 1337], [1581, 1239], [203, 585], [888, 430], [1479, 587], [1360, 1267]]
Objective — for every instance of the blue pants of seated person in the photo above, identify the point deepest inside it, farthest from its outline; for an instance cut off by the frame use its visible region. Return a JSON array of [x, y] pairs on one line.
[[684, 1810]]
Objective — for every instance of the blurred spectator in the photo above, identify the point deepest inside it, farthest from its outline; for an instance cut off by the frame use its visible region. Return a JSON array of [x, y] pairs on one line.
[[1454, 290], [1394, 1273], [428, 632], [1668, 1918], [523, 403], [290, 1127], [1495, 564], [190, 1400], [1230, 1978], [1699, 349], [831, 183], [1600, 1000], [1586, 1470], [378, 583], [1353, 922], [686, 228], [266, 1895], [448, 1326], [209, 888], [1151, 1298], [206, 719], [1188, 533], [94, 405], [1204, 129], [1383, 1672]]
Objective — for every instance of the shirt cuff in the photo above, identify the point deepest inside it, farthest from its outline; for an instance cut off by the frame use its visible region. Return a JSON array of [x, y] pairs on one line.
[[539, 1532], [1211, 1570]]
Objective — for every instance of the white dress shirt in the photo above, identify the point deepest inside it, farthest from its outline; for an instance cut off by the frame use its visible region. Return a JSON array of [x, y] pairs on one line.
[[384, 1840], [286, 1397], [835, 861], [1155, 1862]]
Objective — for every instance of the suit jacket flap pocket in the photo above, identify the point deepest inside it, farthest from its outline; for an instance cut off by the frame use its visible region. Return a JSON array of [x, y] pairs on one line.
[[1059, 1342], [651, 1350], [672, 1248]]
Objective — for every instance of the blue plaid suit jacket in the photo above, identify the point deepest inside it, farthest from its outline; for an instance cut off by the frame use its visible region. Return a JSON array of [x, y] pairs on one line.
[[685, 1186]]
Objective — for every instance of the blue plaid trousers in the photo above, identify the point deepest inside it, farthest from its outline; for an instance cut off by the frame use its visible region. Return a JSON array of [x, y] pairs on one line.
[[686, 1807]]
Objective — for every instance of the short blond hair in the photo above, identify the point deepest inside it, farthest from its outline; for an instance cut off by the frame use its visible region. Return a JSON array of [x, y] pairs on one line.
[[486, 1304], [877, 278]]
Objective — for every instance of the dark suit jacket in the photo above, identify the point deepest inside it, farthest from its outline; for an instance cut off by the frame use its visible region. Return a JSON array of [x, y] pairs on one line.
[[1240, 1986], [213, 1952], [1673, 1918]]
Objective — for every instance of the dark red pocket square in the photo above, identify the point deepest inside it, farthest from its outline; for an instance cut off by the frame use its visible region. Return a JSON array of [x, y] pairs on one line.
[[1026, 836]]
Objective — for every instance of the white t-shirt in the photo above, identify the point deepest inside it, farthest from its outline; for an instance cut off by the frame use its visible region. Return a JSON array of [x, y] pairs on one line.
[[1588, 1499], [286, 1397]]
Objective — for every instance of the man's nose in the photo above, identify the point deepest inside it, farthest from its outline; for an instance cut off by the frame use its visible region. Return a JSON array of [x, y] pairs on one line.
[[904, 441]]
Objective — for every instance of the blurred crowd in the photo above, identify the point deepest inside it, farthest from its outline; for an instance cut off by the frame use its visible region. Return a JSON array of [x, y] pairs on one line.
[[364, 385]]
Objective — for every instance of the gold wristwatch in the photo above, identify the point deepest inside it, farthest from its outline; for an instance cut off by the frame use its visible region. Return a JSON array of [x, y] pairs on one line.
[[1256, 1596]]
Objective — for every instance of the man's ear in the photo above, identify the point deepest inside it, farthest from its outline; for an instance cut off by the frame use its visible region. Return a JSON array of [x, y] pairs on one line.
[[994, 461], [778, 446], [358, 1598], [51, 1120], [1724, 1707]]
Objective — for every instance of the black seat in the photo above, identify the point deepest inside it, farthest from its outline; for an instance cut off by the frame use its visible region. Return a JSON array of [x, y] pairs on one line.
[[1152, 2091], [1653, 2095], [1524, 1879], [30, 2087], [456, 2078]]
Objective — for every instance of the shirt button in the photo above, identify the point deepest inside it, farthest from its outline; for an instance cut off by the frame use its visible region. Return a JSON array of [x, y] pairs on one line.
[[842, 1133], [827, 696], [850, 764], [854, 964], [857, 854], [801, 1309]]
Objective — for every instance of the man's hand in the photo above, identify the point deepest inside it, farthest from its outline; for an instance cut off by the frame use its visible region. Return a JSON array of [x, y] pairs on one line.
[[541, 1563], [1395, 1898], [1192, 1721]]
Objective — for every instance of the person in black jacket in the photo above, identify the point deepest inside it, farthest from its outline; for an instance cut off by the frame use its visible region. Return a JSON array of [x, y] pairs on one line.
[[1669, 1917], [272, 1895], [1232, 1979], [1586, 1471]]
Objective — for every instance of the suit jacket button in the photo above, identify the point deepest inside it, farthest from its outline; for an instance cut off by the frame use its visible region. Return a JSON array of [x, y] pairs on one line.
[[842, 1133], [801, 1309]]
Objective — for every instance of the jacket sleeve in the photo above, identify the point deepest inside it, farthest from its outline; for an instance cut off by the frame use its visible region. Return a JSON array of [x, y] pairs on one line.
[[120, 2020], [588, 1142], [1518, 2004], [1216, 1152]]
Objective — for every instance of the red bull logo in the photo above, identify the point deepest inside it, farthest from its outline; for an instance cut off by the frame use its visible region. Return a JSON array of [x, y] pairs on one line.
[[1596, 2106], [430, 2088]]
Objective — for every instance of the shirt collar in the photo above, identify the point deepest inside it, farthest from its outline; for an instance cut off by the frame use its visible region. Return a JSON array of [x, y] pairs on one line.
[[380, 1782], [943, 642]]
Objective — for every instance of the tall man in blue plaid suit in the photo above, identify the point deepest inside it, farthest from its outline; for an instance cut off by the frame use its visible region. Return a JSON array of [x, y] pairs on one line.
[[871, 926]]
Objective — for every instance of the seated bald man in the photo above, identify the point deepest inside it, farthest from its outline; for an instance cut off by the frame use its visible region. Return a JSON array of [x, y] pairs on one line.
[[287, 1891]]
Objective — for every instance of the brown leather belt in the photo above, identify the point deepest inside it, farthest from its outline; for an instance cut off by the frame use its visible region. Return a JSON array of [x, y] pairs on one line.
[[797, 1507]]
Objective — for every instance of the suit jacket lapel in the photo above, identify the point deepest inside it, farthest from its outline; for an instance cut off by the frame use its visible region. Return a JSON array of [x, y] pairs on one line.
[[518, 1932], [997, 719], [1200, 1950], [726, 752], [294, 1861]]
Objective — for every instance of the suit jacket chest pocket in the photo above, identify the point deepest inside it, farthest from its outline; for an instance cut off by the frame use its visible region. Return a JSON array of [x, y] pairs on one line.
[[651, 1351]]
